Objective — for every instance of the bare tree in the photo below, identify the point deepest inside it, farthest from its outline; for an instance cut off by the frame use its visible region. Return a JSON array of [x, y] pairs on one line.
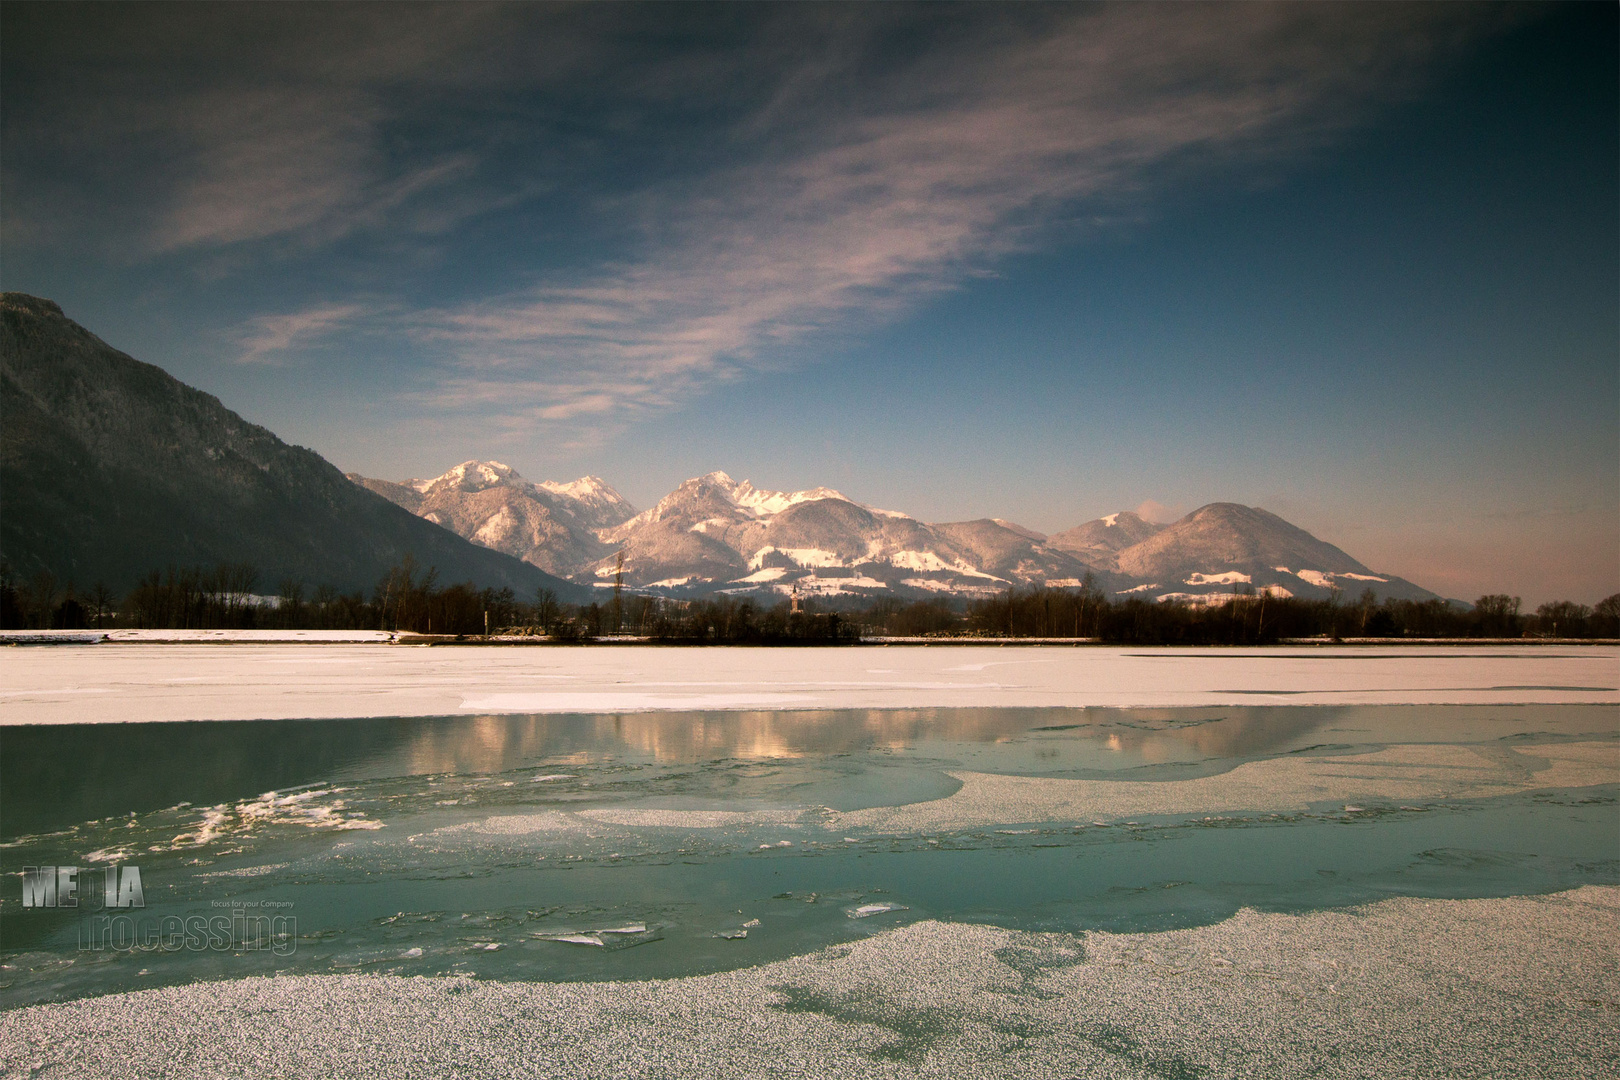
[[101, 602], [1498, 615], [545, 609]]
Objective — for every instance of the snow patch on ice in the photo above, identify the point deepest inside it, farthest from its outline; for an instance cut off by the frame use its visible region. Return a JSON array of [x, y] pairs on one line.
[[549, 821], [689, 819]]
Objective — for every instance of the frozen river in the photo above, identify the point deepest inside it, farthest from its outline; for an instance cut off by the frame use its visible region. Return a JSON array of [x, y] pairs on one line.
[[615, 861], [134, 682]]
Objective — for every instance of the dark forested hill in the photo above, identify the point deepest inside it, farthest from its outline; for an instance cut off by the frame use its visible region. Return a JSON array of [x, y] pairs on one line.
[[110, 467]]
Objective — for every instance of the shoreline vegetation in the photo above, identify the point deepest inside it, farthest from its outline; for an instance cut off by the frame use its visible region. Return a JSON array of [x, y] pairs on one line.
[[410, 604]]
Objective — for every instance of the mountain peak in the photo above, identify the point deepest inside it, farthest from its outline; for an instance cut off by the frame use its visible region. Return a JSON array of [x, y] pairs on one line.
[[717, 533], [33, 305], [1013, 526], [584, 487], [1225, 536], [1102, 539], [470, 476]]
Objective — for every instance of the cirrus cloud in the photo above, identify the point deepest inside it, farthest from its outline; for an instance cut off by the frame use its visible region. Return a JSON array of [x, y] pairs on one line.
[[836, 217]]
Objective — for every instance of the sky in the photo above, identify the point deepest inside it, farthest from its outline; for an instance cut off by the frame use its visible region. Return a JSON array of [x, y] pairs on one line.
[[1356, 264]]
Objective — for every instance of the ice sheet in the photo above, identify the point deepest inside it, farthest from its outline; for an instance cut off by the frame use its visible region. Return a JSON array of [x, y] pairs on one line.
[[111, 683], [1397, 774]]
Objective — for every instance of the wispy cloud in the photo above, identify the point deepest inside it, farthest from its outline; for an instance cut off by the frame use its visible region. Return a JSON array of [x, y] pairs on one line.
[[182, 129], [295, 164], [270, 338], [839, 216], [831, 167]]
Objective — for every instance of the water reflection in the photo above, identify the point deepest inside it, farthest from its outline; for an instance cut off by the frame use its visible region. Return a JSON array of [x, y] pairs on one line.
[[54, 776], [1122, 738]]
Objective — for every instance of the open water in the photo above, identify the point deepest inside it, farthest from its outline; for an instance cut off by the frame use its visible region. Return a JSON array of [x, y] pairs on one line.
[[652, 845]]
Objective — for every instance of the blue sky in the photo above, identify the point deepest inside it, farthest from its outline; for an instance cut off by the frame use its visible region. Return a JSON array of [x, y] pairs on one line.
[[1358, 265]]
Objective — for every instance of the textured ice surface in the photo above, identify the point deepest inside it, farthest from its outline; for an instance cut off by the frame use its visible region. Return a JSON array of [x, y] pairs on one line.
[[1524, 986], [109, 683], [1410, 772]]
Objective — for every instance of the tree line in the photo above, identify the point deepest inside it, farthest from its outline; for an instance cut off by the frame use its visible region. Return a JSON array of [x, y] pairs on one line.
[[407, 599], [411, 599], [1247, 617]]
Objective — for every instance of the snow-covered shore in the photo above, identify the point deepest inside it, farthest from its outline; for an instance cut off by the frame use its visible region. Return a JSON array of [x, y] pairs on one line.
[[106, 684], [1516, 986]]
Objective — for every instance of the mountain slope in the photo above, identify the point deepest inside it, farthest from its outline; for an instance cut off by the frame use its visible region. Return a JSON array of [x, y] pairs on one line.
[[1224, 545], [1100, 541], [712, 533], [552, 526], [110, 467]]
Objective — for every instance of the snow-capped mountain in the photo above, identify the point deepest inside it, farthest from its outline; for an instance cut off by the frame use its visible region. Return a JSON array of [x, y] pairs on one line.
[[553, 526], [1219, 547], [712, 533], [716, 534]]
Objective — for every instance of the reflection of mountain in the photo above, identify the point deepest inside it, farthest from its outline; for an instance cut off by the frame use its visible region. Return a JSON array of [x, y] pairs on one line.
[[714, 534], [1226, 737], [1092, 741], [85, 773]]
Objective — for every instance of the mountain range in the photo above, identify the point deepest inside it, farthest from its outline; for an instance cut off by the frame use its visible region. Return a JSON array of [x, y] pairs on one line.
[[715, 534], [111, 468]]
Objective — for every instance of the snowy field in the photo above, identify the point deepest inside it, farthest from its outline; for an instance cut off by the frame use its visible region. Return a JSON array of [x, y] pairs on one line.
[[1512, 987], [109, 683]]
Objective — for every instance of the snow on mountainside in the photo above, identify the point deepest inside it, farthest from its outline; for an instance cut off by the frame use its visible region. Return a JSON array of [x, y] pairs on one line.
[[552, 526], [716, 534], [1224, 545]]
